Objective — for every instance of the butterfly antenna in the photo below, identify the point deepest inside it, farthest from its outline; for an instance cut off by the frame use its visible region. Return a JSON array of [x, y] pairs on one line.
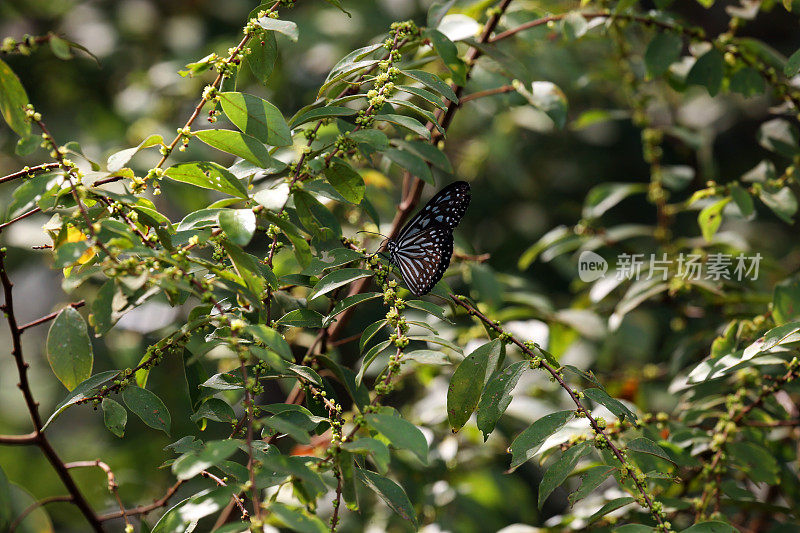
[[380, 246]]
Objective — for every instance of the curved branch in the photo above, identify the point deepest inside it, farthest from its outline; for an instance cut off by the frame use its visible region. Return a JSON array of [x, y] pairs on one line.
[[144, 509], [35, 505], [29, 171]]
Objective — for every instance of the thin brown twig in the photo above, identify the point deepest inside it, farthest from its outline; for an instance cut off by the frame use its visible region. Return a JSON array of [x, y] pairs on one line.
[[337, 502], [17, 219], [234, 497], [144, 509], [29, 171], [35, 505], [488, 92], [112, 482], [18, 440], [51, 316]]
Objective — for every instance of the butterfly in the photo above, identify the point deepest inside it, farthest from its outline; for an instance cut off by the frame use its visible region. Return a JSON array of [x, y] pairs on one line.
[[423, 248]]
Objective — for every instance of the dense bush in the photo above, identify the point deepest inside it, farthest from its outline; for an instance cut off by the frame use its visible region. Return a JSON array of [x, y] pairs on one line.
[[620, 315]]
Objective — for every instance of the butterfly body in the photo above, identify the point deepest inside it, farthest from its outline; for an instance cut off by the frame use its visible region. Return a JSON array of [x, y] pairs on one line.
[[423, 248]]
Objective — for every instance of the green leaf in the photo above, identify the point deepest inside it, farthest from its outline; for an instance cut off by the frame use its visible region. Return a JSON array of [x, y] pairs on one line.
[[369, 332], [437, 11], [634, 528], [69, 349], [645, 445], [13, 101], [316, 218], [782, 202], [433, 82], [748, 82], [184, 515], [603, 197], [301, 318], [273, 198], [239, 144], [348, 302], [428, 152], [390, 492], [757, 462], [102, 309], [207, 175], [336, 279], [786, 300], [710, 218], [663, 50], [590, 480], [779, 136], [408, 123], [262, 56], [468, 381], [345, 180], [294, 466], [401, 433], [425, 94], [441, 342], [430, 308], [60, 48], [612, 404], [114, 416], [257, 117], [81, 392], [297, 518], [711, 527], [613, 505], [563, 467], [286, 27], [743, 200], [320, 113], [281, 425], [708, 71], [414, 108], [373, 138], [376, 448], [6, 508], [118, 160], [427, 357], [214, 409], [212, 453], [239, 225], [527, 443], [448, 51], [411, 162], [547, 97], [497, 396], [148, 407], [68, 253], [271, 339], [249, 269], [792, 65]]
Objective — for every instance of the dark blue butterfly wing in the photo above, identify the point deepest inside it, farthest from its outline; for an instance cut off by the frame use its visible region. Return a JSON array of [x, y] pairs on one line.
[[424, 246]]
